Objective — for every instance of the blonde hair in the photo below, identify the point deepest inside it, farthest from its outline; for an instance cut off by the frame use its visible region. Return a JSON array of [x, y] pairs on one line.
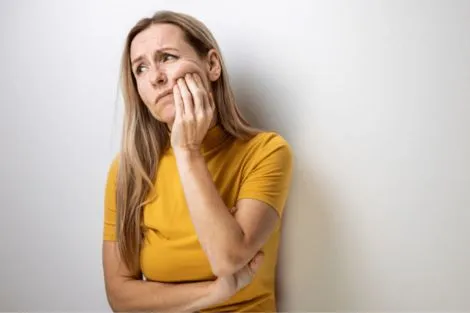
[[144, 138]]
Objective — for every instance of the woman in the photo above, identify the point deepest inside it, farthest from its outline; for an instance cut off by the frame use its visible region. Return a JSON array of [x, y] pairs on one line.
[[195, 197]]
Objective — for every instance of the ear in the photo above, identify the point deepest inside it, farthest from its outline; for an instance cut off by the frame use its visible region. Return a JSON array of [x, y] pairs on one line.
[[214, 68]]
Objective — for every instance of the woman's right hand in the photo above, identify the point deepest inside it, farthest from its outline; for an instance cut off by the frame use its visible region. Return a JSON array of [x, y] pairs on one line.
[[225, 287]]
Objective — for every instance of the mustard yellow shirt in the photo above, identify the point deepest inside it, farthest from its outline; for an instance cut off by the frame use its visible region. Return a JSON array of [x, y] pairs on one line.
[[259, 168]]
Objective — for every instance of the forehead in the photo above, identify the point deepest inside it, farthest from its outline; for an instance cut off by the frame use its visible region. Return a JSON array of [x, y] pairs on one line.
[[158, 36]]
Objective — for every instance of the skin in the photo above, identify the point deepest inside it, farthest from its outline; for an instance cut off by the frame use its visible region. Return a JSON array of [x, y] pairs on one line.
[[162, 61], [160, 56], [175, 85]]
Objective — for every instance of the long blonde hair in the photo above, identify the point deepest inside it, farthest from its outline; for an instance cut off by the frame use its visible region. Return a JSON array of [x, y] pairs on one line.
[[144, 138]]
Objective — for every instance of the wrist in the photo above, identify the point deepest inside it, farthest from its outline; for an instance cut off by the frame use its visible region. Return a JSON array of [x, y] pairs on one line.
[[222, 289], [187, 154], [214, 295]]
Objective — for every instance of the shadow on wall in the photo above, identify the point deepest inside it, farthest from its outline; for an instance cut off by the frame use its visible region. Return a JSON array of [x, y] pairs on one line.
[[307, 268], [258, 95], [307, 257]]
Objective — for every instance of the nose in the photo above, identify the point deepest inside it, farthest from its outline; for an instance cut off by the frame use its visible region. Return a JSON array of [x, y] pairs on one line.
[[158, 77]]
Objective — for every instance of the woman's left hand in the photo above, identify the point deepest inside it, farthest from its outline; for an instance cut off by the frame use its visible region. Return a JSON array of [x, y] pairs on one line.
[[194, 111]]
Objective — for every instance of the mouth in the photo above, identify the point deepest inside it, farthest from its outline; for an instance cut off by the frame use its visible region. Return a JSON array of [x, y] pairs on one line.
[[164, 94]]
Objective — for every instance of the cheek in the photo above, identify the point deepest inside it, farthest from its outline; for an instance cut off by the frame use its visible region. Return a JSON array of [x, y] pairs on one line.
[[182, 68], [143, 90]]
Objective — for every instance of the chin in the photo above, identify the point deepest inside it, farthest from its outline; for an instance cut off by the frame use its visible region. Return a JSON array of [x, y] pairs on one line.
[[167, 115]]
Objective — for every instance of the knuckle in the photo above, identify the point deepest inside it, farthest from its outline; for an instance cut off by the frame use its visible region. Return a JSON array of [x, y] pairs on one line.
[[187, 97], [200, 93], [188, 118], [178, 124]]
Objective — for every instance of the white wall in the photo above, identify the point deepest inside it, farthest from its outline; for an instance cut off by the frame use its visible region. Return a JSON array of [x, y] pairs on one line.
[[374, 97]]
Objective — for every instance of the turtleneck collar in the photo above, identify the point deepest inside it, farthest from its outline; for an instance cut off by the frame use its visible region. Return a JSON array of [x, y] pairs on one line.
[[215, 136]]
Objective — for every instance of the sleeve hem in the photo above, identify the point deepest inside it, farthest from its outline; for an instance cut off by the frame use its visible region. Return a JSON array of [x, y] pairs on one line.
[[272, 204], [109, 238]]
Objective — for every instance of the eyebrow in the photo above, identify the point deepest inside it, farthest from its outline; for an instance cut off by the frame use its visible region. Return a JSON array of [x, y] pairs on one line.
[[159, 51]]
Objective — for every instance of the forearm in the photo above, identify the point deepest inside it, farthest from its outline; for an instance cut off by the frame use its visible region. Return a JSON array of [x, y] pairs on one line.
[[218, 231], [146, 296]]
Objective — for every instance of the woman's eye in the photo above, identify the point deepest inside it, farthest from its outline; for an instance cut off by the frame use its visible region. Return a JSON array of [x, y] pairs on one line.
[[139, 69], [167, 57]]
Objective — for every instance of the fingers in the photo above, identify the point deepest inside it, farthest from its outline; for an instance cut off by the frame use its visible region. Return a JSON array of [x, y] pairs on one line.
[[179, 107], [193, 112], [254, 264], [200, 84], [200, 97], [188, 105], [256, 261], [247, 273], [211, 102], [196, 93], [198, 81]]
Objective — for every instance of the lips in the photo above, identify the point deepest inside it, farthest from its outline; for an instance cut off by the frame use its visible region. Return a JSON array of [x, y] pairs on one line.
[[164, 94]]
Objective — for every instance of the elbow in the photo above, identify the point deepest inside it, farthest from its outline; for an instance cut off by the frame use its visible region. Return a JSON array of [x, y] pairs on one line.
[[117, 304], [116, 300], [113, 303], [228, 263], [224, 269]]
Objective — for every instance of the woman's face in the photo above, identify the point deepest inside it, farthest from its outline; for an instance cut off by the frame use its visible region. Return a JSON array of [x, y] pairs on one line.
[[159, 56]]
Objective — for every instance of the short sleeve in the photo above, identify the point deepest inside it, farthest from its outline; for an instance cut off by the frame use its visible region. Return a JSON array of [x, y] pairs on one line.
[[109, 227], [268, 172]]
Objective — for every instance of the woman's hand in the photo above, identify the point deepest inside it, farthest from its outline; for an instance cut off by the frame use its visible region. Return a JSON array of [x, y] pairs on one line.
[[227, 286], [194, 111]]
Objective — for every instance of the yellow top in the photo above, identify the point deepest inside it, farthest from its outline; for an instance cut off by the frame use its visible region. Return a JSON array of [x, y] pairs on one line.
[[259, 168]]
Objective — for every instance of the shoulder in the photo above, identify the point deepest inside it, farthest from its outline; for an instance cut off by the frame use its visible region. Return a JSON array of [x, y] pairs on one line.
[[266, 147], [267, 142], [114, 164], [267, 169], [269, 139], [113, 168]]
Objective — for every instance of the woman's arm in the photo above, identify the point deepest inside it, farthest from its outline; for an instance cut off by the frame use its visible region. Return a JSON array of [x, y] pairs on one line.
[[126, 294], [229, 243]]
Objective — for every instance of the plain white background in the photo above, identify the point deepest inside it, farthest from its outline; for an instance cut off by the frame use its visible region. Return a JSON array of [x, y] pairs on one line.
[[374, 97]]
